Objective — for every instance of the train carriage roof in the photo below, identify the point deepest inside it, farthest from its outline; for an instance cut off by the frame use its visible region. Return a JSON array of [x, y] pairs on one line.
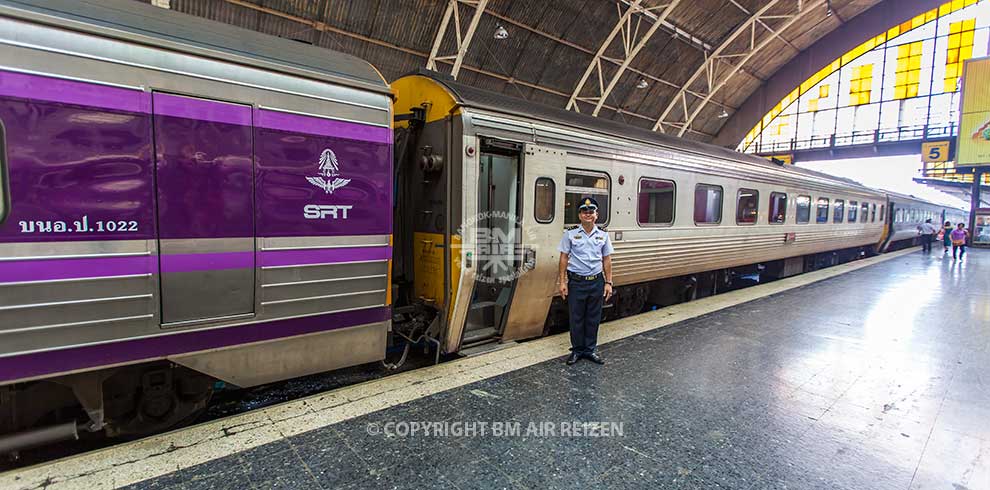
[[469, 96], [145, 24]]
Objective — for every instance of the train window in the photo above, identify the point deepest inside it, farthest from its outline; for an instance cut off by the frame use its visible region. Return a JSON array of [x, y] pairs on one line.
[[585, 183], [873, 213], [747, 206], [883, 215], [853, 209], [898, 215], [778, 208], [803, 209], [543, 199], [864, 212], [655, 202], [821, 213], [707, 204], [840, 209]]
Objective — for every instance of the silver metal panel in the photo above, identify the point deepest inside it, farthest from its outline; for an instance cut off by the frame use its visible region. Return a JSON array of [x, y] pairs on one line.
[[40, 49], [48, 316], [206, 294], [38, 292], [22, 251], [276, 275], [327, 303], [308, 289], [206, 245], [318, 242], [266, 362], [74, 333]]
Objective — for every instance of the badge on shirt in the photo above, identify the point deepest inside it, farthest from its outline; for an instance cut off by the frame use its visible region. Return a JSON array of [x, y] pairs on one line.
[[577, 237]]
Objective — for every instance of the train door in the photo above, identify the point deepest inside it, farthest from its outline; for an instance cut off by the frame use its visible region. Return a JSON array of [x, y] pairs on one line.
[[497, 233], [542, 225], [204, 173]]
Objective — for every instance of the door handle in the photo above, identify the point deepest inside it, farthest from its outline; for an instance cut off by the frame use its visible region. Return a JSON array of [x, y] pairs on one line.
[[529, 260]]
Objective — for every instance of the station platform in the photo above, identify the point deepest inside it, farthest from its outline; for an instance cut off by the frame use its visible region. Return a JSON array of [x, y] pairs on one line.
[[869, 375]]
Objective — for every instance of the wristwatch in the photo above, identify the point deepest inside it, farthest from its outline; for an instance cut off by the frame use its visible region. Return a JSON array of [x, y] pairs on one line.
[[608, 282]]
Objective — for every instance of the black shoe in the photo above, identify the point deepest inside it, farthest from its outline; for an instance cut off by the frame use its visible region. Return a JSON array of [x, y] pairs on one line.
[[595, 358], [571, 359]]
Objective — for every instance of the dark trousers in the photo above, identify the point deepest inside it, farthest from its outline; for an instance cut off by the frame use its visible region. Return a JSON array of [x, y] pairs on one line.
[[926, 243], [960, 248], [584, 304]]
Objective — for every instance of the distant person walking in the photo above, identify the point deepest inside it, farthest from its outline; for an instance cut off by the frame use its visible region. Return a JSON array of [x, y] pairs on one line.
[[959, 241], [946, 239], [928, 232]]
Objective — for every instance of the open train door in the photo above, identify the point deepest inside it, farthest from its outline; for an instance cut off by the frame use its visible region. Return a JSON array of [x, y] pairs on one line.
[[542, 219]]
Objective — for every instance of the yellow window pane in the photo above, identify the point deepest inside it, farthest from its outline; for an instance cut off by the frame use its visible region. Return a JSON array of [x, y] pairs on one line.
[[900, 78], [893, 32], [902, 65], [914, 77], [944, 9], [951, 56], [823, 91], [967, 38], [969, 24], [955, 27], [931, 15], [953, 41], [952, 70], [854, 86], [868, 70], [917, 48], [912, 91], [899, 92], [965, 53], [957, 4], [950, 84], [813, 105], [915, 63]]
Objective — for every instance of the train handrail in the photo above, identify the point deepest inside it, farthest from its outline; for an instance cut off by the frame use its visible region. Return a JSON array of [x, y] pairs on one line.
[[4, 176]]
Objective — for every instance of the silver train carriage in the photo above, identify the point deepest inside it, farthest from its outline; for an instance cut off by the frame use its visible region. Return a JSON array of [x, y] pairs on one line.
[[184, 202], [479, 171]]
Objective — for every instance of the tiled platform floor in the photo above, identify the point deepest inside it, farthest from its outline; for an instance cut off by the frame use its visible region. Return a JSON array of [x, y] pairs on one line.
[[876, 379]]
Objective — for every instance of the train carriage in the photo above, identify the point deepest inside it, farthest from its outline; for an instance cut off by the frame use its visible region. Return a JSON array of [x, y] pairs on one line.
[[674, 209], [188, 201]]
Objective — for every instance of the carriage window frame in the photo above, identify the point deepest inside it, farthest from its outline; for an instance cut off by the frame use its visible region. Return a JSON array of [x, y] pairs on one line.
[[553, 200], [839, 213], [770, 219], [873, 212], [582, 192], [883, 214], [807, 209], [673, 203], [721, 204], [852, 212], [756, 198], [864, 212], [826, 203]]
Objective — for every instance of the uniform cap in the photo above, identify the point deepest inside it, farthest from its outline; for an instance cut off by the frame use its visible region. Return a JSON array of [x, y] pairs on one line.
[[588, 203]]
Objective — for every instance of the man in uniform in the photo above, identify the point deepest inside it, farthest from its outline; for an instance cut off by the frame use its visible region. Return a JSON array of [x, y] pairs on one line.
[[585, 280]]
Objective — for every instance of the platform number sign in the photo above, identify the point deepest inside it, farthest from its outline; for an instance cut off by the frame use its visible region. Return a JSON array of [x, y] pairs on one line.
[[935, 152]]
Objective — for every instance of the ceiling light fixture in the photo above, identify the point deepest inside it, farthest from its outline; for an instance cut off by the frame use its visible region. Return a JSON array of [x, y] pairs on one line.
[[642, 83], [828, 8], [723, 115], [501, 33]]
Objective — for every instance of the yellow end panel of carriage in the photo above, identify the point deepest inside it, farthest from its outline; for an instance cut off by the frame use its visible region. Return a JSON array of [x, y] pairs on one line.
[[415, 90], [428, 266]]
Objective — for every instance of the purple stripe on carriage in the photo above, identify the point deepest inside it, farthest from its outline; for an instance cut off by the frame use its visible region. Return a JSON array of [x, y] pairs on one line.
[[55, 269], [74, 358], [25, 86], [320, 126], [200, 109]]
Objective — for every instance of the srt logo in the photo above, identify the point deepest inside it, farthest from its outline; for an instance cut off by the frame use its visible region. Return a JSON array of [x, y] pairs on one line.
[[321, 211], [329, 181], [329, 168]]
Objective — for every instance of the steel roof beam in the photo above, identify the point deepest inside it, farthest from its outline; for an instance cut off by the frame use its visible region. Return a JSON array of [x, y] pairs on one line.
[[710, 69], [676, 31], [631, 54], [461, 40]]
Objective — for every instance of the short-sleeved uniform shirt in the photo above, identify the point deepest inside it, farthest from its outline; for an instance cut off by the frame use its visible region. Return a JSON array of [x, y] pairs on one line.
[[927, 229], [585, 250]]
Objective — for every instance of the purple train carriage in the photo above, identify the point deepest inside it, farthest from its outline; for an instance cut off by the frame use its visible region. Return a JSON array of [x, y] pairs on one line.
[[180, 202]]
